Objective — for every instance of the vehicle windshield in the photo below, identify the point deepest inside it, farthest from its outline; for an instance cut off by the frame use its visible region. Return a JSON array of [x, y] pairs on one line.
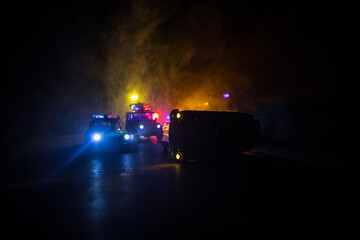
[[102, 124], [140, 116]]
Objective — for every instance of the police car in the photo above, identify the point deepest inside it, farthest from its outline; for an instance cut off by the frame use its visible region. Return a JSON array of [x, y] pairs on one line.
[[106, 131], [143, 122]]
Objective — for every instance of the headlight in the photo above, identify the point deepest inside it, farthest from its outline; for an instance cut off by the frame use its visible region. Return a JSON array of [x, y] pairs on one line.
[[178, 115], [141, 126], [178, 156], [96, 137], [158, 126], [126, 136]]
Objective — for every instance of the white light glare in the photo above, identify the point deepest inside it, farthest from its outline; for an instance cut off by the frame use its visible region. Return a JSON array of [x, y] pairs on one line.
[[96, 137], [127, 136]]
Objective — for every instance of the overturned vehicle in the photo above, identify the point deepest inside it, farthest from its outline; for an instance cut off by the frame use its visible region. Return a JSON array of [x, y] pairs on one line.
[[211, 134]]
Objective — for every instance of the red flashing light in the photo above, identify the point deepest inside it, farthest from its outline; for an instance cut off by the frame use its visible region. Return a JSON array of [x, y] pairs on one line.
[[146, 107], [112, 116]]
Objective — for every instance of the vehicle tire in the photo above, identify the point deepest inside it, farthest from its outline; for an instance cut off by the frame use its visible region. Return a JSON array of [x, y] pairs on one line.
[[159, 137], [166, 148], [136, 138]]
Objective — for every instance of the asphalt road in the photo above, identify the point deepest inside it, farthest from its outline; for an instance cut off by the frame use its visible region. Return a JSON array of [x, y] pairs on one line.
[[65, 192]]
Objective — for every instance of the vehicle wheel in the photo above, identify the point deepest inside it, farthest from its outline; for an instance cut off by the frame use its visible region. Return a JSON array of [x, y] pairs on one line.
[[136, 138], [159, 137], [166, 147]]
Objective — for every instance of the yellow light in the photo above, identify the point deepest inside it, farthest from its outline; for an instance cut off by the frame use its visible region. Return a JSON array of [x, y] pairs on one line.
[[206, 103], [178, 156], [178, 115], [155, 116], [134, 97]]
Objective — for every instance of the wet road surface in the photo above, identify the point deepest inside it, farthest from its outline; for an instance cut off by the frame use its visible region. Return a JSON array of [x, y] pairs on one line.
[[137, 194]]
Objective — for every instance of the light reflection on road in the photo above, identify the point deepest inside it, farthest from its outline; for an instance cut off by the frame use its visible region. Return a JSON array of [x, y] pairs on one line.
[[123, 175], [127, 165], [96, 203]]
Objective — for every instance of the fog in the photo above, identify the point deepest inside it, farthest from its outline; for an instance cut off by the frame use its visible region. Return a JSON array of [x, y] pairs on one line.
[[179, 54], [80, 59]]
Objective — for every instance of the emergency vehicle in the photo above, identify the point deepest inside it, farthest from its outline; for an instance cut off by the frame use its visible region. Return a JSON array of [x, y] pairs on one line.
[[143, 122], [105, 132]]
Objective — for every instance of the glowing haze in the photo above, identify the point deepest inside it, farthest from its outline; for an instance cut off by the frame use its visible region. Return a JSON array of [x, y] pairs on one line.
[[178, 54], [153, 52]]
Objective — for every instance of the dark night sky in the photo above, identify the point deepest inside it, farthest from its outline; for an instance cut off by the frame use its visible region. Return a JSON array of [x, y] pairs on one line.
[[44, 44]]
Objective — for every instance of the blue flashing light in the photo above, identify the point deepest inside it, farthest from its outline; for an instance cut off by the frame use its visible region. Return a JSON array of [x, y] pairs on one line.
[[98, 116], [226, 95], [168, 117]]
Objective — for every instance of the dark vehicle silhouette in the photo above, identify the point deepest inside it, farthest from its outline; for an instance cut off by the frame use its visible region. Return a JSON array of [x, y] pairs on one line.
[[203, 134], [143, 122], [105, 132]]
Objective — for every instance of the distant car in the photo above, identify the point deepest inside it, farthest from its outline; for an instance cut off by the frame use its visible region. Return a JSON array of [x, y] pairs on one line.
[[211, 134], [105, 131], [143, 122]]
